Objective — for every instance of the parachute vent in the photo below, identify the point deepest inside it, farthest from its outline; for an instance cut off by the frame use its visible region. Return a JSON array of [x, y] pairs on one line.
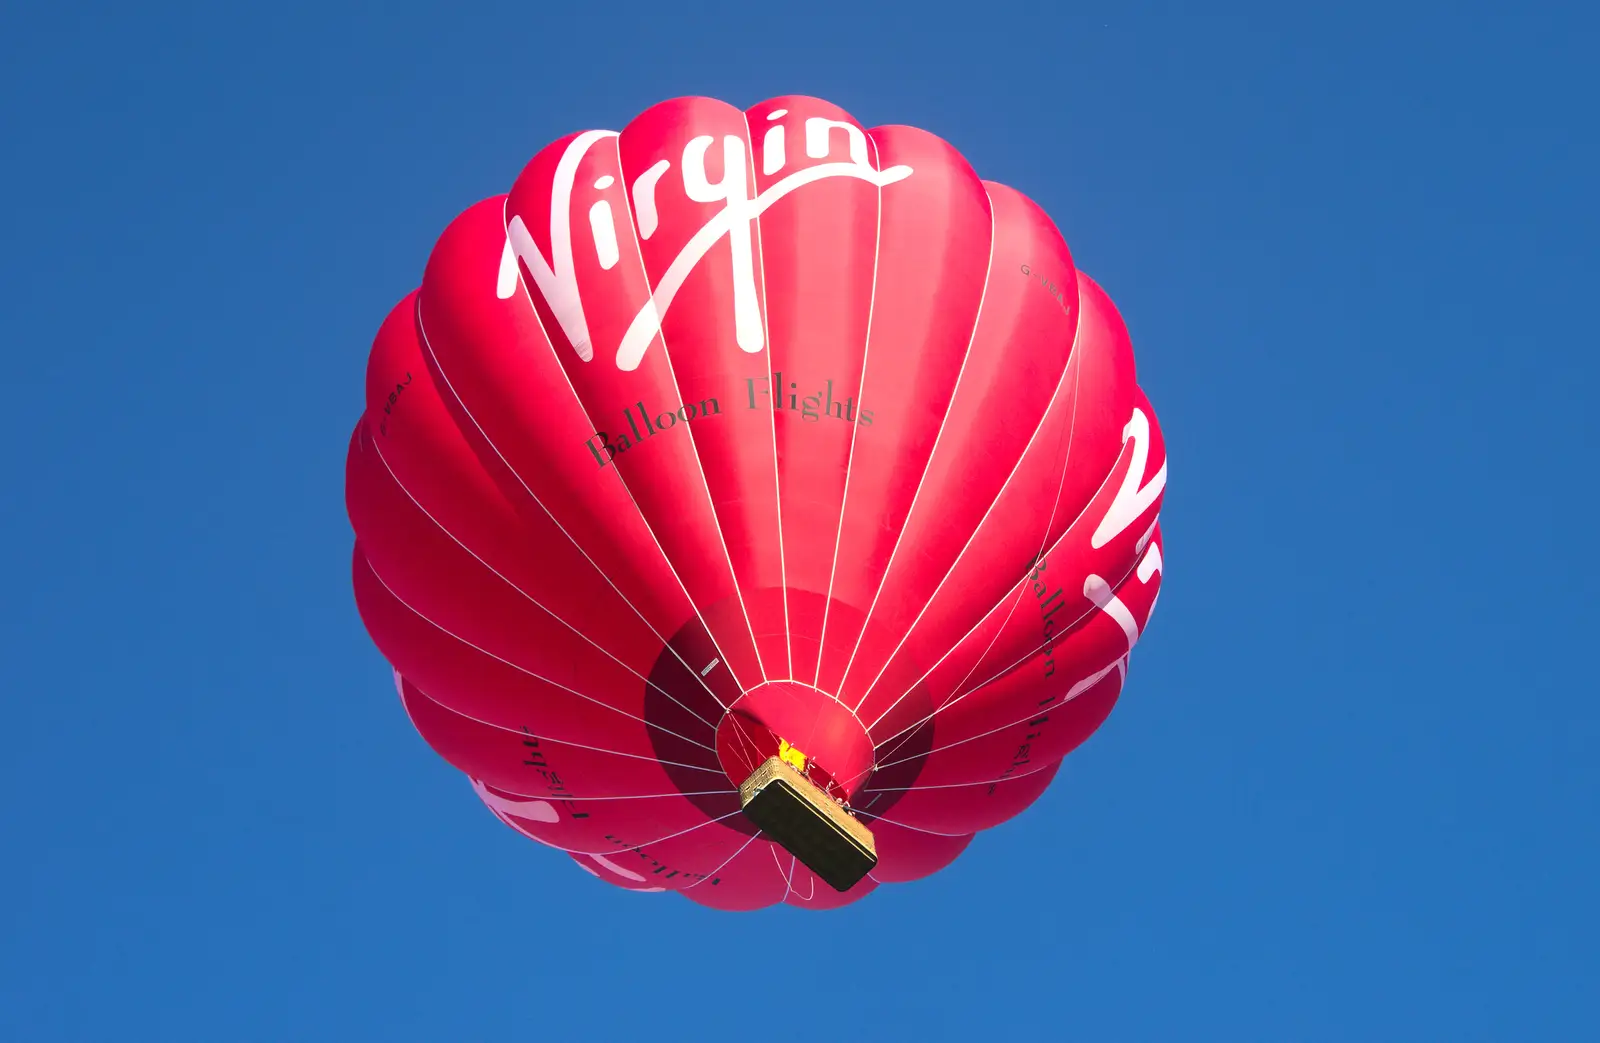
[[808, 824]]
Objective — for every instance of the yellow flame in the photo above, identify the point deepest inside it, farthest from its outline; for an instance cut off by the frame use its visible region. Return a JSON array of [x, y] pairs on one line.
[[790, 755]]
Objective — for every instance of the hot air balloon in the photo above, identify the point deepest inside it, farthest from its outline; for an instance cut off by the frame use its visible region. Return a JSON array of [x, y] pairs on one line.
[[753, 505]]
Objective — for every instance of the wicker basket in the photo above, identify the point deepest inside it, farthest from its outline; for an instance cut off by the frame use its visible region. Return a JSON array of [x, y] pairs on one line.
[[808, 824]]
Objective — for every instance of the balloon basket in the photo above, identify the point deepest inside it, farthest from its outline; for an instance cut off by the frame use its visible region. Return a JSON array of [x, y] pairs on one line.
[[808, 824]]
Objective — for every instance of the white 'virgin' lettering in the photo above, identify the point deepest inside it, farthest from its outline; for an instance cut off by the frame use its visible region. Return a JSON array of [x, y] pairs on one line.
[[1132, 499], [529, 808], [1097, 590], [556, 279]]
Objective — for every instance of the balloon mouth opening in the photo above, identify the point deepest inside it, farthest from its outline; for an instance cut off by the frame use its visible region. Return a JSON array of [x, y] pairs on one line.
[[797, 755], [744, 744], [801, 727]]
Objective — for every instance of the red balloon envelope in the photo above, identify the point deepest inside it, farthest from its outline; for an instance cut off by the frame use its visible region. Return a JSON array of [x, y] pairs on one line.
[[754, 441]]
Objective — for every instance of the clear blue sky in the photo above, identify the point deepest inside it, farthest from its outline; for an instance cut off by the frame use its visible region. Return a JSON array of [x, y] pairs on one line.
[[1349, 795]]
